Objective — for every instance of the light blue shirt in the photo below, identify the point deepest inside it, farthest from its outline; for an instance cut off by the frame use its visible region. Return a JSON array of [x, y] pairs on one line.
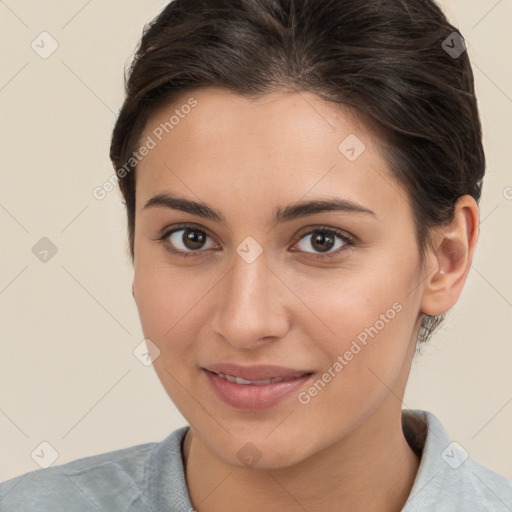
[[150, 478]]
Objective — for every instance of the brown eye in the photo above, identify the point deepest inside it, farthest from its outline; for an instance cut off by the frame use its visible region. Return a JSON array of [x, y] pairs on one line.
[[323, 241], [186, 240], [192, 238]]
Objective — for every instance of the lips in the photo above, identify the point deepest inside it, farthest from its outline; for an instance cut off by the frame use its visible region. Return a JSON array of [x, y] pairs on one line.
[[240, 380], [258, 375], [254, 388]]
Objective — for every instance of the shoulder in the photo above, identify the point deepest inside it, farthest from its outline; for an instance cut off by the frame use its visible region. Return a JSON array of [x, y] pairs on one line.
[[116, 480], [449, 480], [483, 486]]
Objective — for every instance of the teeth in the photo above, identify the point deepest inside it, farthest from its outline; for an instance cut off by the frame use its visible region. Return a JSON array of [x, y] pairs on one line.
[[239, 380]]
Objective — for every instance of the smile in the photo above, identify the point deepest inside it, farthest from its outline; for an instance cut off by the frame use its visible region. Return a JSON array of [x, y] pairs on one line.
[[254, 395], [240, 380]]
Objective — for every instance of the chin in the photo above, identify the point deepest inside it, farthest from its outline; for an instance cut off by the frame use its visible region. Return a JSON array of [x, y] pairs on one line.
[[258, 451]]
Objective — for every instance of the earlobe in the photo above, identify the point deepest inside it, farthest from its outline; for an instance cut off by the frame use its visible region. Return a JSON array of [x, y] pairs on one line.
[[450, 258]]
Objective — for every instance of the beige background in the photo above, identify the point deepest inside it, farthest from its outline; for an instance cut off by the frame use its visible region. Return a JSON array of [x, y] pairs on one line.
[[69, 326]]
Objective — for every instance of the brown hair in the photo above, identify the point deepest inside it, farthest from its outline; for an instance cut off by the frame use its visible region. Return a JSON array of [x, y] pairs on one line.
[[388, 59]]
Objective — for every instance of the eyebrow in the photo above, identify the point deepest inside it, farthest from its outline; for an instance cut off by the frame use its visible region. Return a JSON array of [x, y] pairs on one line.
[[281, 214]]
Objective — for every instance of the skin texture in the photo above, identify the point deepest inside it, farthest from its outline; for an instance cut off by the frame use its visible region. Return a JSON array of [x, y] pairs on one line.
[[344, 450]]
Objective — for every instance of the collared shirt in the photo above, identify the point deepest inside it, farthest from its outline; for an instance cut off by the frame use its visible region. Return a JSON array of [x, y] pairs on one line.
[[150, 477]]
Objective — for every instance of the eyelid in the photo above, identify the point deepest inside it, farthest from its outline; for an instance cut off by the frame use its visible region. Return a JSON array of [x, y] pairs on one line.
[[349, 240], [169, 230], [165, 232], [308, 230]]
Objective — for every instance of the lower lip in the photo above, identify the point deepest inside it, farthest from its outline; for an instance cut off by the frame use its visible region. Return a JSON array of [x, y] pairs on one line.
[[250, 396]]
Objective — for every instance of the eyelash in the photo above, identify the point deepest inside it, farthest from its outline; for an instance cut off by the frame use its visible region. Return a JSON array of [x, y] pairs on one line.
[[348, 241]]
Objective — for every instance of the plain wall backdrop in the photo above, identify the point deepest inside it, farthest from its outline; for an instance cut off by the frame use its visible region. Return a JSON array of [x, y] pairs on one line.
[[69, 325]]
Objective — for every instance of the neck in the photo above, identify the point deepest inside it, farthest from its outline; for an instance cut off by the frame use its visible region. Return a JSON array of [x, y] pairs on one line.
[[371, 469]]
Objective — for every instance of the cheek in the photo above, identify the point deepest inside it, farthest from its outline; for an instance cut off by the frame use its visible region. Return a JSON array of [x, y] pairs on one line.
[[170, 303], [366, 316], [168, 306], [347, 300], [363, 363]]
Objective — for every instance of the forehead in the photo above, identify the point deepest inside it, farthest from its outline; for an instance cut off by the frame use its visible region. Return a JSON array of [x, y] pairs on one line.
[[280, 146], [274, 118]]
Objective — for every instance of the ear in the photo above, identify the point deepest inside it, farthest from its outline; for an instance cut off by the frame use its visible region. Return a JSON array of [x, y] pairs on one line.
[[449, 259], [133, 290]]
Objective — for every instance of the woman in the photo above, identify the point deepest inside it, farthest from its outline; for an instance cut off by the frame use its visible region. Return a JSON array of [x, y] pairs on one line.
[[302, 180]]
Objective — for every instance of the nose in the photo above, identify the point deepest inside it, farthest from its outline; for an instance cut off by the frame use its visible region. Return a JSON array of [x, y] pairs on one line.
[[252, 302]]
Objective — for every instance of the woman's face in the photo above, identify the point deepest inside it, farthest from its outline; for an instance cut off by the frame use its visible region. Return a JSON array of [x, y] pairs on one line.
[[331, 294]]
